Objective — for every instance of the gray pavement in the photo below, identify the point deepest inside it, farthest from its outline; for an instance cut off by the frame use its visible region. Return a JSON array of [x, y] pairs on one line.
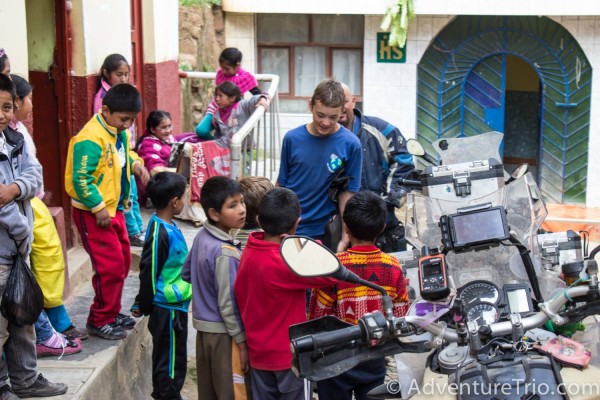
[[107, 369]]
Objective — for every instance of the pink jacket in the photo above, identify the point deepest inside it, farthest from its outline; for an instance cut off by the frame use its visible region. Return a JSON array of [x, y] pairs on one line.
[[155, 152]]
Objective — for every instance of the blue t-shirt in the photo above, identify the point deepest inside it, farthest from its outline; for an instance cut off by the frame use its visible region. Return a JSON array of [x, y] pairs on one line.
[[308, 165]]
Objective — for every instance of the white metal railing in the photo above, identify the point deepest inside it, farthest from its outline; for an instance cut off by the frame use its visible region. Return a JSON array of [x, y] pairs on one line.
[[262, 129]]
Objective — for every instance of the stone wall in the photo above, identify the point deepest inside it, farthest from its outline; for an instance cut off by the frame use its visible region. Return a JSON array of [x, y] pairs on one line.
[[201, 40]]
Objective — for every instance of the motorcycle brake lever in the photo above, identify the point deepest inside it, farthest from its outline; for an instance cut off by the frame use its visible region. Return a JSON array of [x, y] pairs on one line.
[[438, 341]]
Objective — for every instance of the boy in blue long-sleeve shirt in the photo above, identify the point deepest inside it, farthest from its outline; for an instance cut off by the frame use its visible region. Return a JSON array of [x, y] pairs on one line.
[[163, 294]]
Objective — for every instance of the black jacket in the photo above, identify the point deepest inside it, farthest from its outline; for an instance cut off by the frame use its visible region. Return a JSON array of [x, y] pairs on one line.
[[384, 154]]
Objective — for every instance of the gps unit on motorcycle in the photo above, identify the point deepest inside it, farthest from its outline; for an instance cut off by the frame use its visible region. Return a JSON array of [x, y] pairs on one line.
[[474, 227], [433, 277]]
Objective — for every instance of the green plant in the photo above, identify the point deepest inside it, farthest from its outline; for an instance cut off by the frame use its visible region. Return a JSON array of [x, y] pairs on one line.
[[184, 66], [187, 3], [396, 21]]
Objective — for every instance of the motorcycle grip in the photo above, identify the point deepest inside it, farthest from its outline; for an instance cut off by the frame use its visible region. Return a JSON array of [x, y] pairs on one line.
[[325, 339], [410, 182]]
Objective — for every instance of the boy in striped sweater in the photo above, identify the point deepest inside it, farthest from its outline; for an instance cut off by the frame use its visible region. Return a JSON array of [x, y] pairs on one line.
[[364, 219]]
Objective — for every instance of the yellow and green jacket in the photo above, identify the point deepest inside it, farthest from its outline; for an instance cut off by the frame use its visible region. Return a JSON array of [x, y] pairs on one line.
[[93, 172]]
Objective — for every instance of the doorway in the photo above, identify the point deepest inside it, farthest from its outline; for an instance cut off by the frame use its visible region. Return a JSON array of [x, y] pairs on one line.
[[521, 115]]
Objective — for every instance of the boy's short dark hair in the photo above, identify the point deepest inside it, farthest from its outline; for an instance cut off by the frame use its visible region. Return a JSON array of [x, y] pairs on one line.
[[254, 188], [7, 85], [330, 93], [123, 97], [278, 211], [365, 215], [165, 186], [215, 191]]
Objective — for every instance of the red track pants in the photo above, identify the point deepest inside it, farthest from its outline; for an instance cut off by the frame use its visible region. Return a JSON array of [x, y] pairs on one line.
[[110, 254]]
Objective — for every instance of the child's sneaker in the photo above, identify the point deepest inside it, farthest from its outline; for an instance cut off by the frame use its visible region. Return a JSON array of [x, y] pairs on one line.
[[124, 321], [73, 333], [136, 240], [61, 347], [108, 331]]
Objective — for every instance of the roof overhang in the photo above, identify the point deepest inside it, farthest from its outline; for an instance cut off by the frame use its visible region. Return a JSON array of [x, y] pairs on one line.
[[423, 7]]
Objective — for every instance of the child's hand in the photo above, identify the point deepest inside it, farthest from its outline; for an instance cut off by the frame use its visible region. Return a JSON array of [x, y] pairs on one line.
[[244, 364], [264, 101], [142, 173], [135, 310], [103, 218], [8, 193]]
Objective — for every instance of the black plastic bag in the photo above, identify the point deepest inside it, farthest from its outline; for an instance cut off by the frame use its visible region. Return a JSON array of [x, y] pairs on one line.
[[333, 226], [333, 232], [23, 300]]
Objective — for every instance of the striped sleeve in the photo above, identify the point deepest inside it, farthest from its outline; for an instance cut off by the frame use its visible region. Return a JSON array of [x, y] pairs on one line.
[[154, 256], [86, 157]]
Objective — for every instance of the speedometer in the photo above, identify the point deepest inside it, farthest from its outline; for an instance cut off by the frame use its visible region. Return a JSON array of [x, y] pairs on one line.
[[483, 314], [478, 291]]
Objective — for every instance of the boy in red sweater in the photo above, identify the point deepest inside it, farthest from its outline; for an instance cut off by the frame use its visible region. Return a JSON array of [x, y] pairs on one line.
[[271, 297], [364, 219]]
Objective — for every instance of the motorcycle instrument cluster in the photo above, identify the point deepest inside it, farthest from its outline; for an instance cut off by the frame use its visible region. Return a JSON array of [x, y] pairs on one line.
[[479, 291], [518, 298], [483, 302], [483, 313]]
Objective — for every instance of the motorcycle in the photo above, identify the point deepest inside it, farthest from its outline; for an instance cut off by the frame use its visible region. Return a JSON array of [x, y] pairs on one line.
[[484, 295]]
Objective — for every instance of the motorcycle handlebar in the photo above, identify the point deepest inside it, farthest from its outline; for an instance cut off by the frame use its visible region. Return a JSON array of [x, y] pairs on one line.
[[326, 339], [549, 310], [410, 182], [346, 335]]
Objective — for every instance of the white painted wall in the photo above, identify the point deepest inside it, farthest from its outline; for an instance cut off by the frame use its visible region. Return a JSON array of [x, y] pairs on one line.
[[390, 90], [161, 30], [99, 28], [13, 30], [241, 33]]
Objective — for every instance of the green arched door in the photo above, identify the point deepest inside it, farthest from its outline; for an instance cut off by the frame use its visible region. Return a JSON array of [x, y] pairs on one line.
[[462, 90]]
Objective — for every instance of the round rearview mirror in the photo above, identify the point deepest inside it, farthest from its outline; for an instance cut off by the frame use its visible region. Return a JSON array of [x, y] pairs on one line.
[[520, 171], [414, 147], [308, 258]]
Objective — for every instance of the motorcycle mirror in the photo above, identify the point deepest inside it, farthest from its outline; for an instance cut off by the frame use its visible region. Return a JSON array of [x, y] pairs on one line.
[[519, 172], [307, 258], [415, 148]]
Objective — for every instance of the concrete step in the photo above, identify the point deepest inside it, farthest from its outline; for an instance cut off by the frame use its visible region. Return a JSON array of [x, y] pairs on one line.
[[105, 369]]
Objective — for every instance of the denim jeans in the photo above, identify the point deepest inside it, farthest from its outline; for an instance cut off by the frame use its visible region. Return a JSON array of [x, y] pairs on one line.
[[59, 319], [43, 329], [133, 217], [18, 344]]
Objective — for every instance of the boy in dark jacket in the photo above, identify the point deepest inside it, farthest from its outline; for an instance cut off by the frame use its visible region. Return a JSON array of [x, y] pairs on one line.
[[163, 294]]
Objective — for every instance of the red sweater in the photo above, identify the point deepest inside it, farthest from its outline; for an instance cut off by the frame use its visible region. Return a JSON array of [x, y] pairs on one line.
[[348, 301], [270, 298]]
